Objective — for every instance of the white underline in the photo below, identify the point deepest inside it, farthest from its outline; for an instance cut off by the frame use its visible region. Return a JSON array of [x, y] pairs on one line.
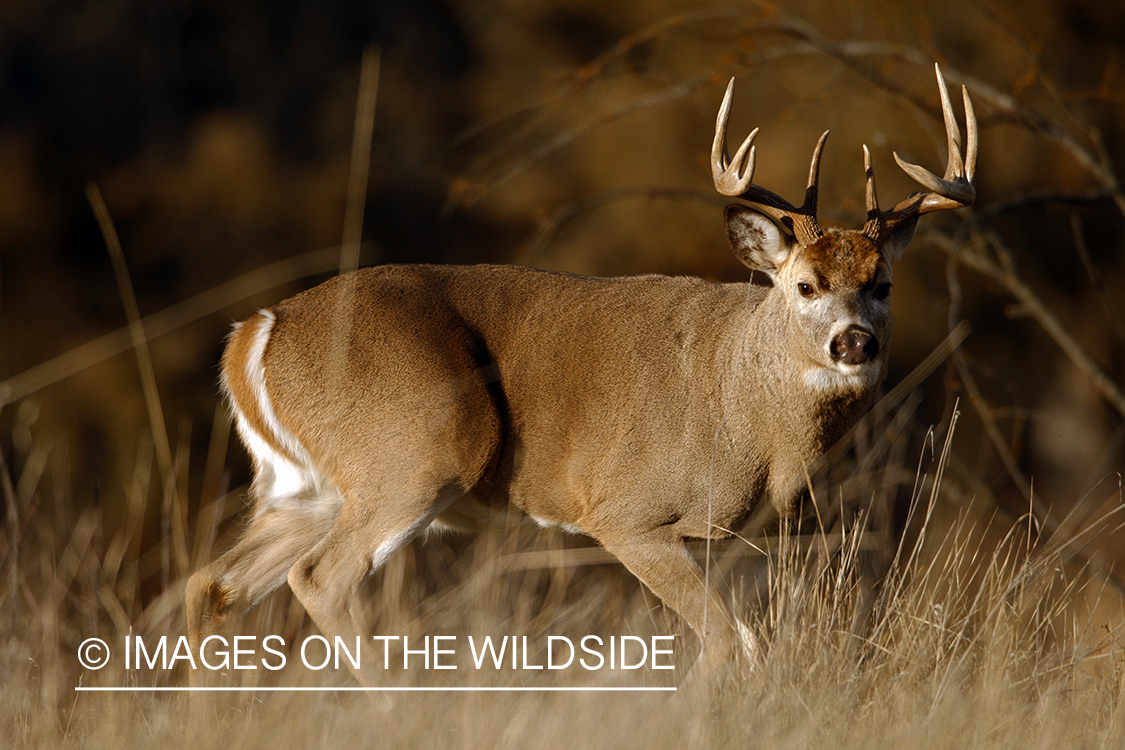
[[125, 689]]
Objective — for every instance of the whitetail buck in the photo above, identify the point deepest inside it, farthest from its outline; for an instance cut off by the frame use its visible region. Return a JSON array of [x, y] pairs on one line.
[[641, 411]]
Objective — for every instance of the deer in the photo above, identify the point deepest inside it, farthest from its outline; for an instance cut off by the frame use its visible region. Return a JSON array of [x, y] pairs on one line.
[[643, 411]]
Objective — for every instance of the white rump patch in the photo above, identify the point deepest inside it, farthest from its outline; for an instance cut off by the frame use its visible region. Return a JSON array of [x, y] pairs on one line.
[[281, 477]]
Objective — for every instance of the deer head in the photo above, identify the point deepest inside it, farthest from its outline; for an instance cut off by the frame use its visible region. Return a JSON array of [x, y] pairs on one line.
[[835, 285]]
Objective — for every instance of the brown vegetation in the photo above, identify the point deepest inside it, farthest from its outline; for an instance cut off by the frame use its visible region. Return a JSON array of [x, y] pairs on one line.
[[575, 136]]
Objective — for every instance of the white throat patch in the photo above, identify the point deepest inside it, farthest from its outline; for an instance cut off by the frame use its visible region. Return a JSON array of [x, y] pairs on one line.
[[842, 377]]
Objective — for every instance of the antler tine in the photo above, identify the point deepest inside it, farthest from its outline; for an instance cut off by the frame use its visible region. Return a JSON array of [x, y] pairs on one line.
[[954, 190], [813, 187], [954, 167], [733, 177], [971, 136], [955, 186], [872, 199]]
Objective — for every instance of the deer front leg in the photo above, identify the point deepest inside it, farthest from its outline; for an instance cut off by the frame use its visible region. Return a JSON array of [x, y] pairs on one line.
[[662, 562]]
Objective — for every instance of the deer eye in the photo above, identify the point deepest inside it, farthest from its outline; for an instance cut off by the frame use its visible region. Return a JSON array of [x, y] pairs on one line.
[[882, 291], [806, 290]]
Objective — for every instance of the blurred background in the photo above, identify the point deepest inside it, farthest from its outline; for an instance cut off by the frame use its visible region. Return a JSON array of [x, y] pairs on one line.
[[563, 134]]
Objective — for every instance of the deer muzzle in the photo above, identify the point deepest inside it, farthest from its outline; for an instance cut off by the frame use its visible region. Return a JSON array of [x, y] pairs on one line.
[[854, 346]]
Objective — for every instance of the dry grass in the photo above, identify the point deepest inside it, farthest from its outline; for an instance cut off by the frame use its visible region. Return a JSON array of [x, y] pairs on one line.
[[969, 633], [966, 643]]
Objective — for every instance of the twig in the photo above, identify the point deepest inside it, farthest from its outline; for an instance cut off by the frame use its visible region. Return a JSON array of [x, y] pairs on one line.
[[579, 80], [976, 399], [549, 227], [1037, 200], [360, 161], [136, 334], [13, 552], [1094, 276], [353, 213], [1003, 271], [168, 320], [468, 191]]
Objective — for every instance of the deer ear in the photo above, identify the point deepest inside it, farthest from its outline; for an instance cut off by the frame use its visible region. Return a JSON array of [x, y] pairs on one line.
[[756, 240], [898, 239]]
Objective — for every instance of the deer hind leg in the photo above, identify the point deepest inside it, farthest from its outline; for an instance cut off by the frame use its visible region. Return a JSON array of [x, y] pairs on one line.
[[221, 593], [662, 562], [295, 506], [295, 510], [326, 579]]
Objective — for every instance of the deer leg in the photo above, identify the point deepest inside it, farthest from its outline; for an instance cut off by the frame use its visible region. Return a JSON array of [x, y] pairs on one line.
[[221, 593], [663, 563], [327, 577]]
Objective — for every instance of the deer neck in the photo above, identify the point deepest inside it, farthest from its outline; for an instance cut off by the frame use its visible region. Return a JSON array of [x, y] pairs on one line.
[[774, 419]]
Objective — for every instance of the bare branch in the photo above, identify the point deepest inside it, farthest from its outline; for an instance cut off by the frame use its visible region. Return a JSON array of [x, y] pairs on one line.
[[168, 320], [1003, 271], [549, 227]]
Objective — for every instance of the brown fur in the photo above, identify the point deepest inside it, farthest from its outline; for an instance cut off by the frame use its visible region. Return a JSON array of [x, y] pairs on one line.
[[641, 411], [839, 260], [236, 360]]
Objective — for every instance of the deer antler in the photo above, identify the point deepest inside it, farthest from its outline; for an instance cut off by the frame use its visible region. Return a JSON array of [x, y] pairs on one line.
[[733, 178], [954, 190]]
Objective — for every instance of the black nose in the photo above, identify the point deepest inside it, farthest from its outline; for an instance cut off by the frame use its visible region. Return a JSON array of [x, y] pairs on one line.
[[854, 347]]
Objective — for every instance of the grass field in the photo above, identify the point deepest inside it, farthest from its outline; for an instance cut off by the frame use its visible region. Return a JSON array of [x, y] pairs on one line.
[[969, 640], [957, 585]]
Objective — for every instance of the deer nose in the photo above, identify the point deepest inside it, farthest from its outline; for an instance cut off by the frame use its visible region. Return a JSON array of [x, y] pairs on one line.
[[854, 347]]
